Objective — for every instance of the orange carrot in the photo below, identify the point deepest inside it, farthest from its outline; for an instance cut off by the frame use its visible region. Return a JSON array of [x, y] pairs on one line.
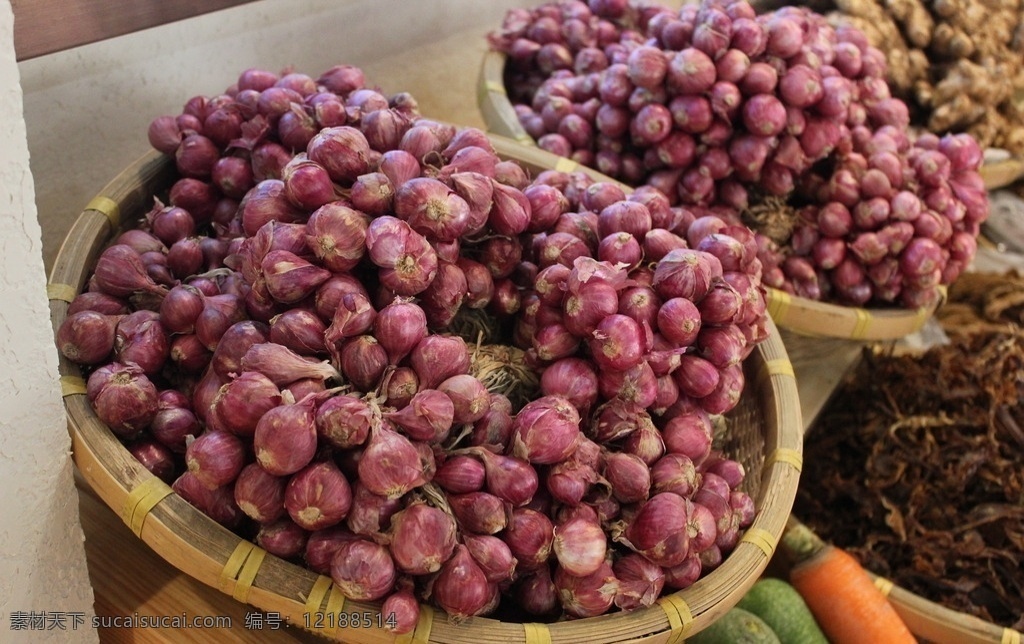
[[848, 606]]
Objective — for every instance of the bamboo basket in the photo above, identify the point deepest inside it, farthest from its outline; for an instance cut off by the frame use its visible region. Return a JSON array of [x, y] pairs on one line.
[[797, 314], [765, 434], [1003, 172], [936, 623]]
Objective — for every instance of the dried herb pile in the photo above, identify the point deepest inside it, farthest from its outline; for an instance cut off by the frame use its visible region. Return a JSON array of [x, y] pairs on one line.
[[917, 466]]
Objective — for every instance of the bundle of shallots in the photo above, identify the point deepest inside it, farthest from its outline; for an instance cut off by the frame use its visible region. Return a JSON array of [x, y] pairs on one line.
[[276, 342]]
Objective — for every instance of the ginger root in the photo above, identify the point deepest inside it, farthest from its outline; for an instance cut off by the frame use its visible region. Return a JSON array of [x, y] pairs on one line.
[[957, 63]]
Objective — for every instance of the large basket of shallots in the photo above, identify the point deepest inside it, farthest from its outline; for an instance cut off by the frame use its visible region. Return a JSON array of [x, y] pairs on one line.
[[397, 380], [785, 121]]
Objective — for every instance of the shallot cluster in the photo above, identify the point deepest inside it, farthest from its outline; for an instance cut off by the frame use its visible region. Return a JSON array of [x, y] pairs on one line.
[[738, 114], [275, 341]]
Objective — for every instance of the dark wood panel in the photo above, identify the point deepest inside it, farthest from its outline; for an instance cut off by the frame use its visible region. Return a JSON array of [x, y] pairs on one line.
[[46, 26]]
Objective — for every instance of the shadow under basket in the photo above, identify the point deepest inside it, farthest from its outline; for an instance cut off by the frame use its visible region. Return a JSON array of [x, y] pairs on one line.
[[764, 433]]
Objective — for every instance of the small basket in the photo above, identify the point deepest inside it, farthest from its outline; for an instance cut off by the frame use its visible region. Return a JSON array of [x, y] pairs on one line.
[[789, 312], [765, 435], [821, 319], [1000, 173]]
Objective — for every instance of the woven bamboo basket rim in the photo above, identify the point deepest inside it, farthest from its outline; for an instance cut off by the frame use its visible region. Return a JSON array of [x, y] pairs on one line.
[[936, 623], [212, 554], [790, 312], [1003, 172]]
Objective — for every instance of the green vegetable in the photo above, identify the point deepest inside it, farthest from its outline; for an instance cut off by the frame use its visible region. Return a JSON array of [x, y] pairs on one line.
[[784, 610], [738, 626]]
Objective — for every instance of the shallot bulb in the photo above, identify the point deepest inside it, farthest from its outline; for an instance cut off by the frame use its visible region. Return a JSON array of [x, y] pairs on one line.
[[120, 272], [218, 503], [530, 536], [436, 358], [242, 401], [580, 545], [370, 514], [215, 458], [282, 538], [363, 570], [399, 327], [318, 496], [461, 587], [402, 610], [390, 464], [407, 261], [654, 531], [479, 512], [422, 538], [259, 494], [87, 337], [290, 278], [428, 416], [155, 457], [640, 581], [617, 343], [336, 234], [432, 209], [283, 366], [468, 395], [686, 273], [509, 478], [546, 430], [343, 151], [124, 398], [589, 595], [285, 439], [460, 474], [628, 476]]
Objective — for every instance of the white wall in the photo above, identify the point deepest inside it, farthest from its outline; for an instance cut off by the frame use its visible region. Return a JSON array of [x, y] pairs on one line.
[[42, 561]]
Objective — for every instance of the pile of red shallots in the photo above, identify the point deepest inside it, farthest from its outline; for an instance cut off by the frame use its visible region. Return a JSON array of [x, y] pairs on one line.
[[742, 115], [274, 342]]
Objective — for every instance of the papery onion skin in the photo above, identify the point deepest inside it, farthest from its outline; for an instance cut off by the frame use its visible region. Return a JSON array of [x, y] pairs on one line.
[[546, 430], [218, 504], [530, 536], [285, 438], [363, 570], [580, 546], [318, 496], [259, 494], [215, 458], [461, 588], [653, 530], [422, 538], [282, 538], [124, 398]]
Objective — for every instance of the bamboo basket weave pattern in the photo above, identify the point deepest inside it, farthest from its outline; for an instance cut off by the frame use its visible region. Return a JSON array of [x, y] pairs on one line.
[[797, 314], [764, 433]]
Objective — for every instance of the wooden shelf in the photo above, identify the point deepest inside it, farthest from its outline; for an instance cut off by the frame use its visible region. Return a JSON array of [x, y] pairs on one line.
[[47, 26]]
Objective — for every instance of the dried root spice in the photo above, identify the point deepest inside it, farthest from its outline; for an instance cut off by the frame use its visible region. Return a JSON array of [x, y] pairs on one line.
[[917, 466]]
